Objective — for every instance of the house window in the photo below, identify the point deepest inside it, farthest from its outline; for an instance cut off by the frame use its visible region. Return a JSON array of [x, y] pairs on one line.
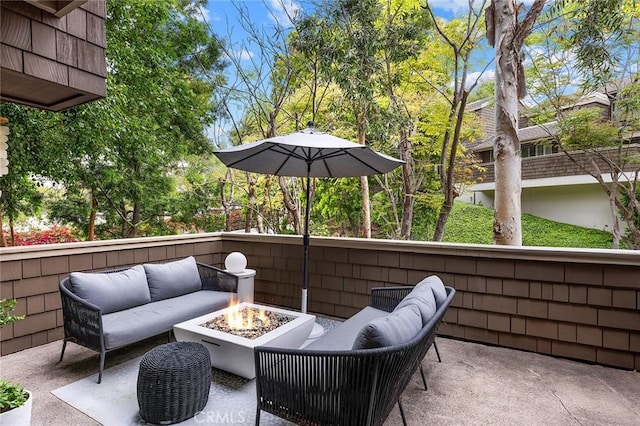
[[535, 150]]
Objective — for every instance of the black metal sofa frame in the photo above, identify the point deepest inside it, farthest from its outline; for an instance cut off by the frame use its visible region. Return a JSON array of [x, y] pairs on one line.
[[83, 322], [357, 387]]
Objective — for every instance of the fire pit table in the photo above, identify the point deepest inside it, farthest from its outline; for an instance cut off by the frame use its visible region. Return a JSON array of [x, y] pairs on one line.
[[223, 334]]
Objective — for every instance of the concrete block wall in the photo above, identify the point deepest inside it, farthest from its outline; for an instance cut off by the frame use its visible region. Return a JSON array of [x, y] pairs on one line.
[[31, 275]]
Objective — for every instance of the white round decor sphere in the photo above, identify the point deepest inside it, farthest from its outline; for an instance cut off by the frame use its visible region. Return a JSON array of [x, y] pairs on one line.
[[235, 262]]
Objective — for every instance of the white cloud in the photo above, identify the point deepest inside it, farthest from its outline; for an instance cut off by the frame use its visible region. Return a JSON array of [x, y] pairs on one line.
[[282, 11], [241, 55], [486, 76], [244, 54], [204, 15]]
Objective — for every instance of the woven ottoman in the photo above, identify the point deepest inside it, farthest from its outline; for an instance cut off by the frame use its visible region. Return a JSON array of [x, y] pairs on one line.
[[173, 382]]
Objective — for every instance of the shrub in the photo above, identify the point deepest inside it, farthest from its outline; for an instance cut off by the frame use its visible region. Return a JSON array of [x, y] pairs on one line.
[[53, 235], [11, 396]]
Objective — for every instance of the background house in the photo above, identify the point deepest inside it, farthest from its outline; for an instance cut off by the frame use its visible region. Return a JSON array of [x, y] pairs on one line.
[[553, 186]]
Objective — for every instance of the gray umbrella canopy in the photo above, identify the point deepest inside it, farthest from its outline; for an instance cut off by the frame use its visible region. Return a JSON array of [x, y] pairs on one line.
[[308, 153]]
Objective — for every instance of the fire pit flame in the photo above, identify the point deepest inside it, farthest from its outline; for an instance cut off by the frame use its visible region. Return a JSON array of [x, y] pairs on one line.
[[246, 319], [247, 322]]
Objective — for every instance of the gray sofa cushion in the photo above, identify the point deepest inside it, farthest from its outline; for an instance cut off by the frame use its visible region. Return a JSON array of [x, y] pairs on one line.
[[422, 296], [112, 291], [172, 279], [394, 329], [342, 337], [159, 317], [439, 292]]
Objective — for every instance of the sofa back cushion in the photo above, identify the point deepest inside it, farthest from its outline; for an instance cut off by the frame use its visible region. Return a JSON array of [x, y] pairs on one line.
[[173, 279], [398, 327], [113, 291], [422, 297], [436, 284]]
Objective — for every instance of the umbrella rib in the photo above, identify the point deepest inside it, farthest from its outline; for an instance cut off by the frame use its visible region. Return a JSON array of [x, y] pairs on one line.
[[232, 164], [362, 162]]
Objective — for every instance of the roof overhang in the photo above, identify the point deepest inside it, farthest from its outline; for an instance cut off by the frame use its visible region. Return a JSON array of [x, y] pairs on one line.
[[57, 8]]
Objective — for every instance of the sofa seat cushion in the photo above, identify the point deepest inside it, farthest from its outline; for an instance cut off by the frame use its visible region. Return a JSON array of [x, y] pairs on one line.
[[172, 279], [423, 297], [141, 322], [113, 291], [398, 327], [342, 337]]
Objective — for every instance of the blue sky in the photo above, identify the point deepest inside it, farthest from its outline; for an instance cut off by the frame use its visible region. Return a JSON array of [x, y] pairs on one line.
[[222, 16]]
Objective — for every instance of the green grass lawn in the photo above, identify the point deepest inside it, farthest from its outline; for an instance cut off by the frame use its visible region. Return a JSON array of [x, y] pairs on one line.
[[473, 224]]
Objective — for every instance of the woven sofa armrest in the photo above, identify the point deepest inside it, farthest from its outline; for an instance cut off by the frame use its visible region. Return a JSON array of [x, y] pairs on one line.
[[82, 319], [387, 298], [217, 279]]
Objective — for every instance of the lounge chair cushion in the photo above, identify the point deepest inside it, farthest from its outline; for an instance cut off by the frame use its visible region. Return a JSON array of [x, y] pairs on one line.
[[172, 279], [114, 291], [398, 327], [423, 297]]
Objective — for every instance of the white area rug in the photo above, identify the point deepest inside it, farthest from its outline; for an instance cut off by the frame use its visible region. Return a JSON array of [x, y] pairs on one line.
[[114, 402], [232, 399]]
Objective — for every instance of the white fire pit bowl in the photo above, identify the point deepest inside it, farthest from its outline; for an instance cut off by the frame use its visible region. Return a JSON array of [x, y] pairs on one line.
[[234, 353]]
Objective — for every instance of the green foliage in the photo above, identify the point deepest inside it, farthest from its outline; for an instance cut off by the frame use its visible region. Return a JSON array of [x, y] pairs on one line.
[[6, 306], [336, 207], [11, 396], [470, 224], [584, 129]]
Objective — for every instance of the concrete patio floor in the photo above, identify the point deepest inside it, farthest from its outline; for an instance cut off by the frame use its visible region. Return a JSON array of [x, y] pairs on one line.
[[474, 385]]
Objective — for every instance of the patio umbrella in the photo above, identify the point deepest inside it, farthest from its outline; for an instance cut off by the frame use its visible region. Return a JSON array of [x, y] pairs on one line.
[[307, 153]]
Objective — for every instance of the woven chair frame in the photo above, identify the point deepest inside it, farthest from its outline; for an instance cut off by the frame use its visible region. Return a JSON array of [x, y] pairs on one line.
[[357, 387]]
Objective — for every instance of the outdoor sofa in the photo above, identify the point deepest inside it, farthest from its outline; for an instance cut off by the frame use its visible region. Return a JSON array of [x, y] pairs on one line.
[[355, 373], [111, 309]]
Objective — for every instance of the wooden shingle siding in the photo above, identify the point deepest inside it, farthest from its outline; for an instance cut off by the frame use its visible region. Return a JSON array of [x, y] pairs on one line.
[[52, 62]]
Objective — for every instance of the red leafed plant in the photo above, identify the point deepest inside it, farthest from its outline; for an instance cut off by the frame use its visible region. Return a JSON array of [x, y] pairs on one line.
[[53, 235]]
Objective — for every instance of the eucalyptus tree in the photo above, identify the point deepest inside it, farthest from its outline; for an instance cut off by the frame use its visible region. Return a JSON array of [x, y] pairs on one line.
[[508, 24]]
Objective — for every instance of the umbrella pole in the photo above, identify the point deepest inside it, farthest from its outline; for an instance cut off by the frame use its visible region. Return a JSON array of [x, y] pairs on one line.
[[317, 330], [305, 243]]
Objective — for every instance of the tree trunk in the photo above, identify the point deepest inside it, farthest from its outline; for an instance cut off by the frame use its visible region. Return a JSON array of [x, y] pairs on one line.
[[507, 36], [3, 242], [135, 221], [408, 201], [251, 184], [616, 221], [449, 189], [364, 186], [291, 205], [12, 232], [507, 227], [91, 227]]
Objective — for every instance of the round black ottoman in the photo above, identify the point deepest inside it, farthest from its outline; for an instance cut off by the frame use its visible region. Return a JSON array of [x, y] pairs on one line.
[[174, 382]]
